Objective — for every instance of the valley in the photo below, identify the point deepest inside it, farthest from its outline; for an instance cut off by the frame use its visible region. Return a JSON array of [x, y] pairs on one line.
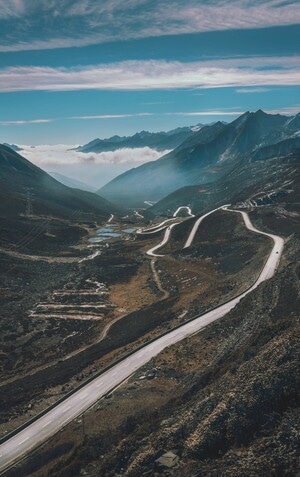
[[167, 328], [184, 297]]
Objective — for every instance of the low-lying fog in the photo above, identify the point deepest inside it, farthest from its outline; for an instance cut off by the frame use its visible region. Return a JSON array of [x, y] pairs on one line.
[[93, 169]]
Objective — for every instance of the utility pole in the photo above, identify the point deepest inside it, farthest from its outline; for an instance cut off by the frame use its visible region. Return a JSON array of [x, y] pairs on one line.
[[83, 429], [29, 208]]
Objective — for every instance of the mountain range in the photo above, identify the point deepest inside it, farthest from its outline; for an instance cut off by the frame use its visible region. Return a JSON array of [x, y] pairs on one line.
[[207, 156], [160, 141]]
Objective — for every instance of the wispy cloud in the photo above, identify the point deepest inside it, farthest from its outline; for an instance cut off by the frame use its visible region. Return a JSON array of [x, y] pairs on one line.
[[38, 25], [253, 90], [12, 8], [24, 121], [150, 75], [289, 111], [210, 112], [112, 116]]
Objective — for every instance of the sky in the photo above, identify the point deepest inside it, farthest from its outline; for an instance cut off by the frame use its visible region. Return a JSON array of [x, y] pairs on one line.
[[74, 70]]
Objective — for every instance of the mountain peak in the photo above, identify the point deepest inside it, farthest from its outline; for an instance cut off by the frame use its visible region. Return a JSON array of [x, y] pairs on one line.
[[260, 113]]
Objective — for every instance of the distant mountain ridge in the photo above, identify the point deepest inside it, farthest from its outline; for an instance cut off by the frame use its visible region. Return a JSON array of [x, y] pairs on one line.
[[70, 182], [14, 147], [160, 141], [205, 157]]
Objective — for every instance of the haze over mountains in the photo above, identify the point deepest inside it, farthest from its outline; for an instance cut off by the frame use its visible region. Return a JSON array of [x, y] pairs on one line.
[[18, 177], [206, 157], [212, 155], [70, 182]]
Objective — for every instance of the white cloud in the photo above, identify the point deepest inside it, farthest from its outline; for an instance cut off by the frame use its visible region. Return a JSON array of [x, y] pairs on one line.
[[111, 20], [21, 122], [123, 156], [150, 75], [62, 154], [289, 111], [111, 116], [11, 8], [252, 90], [93, 169], [209, 112], [134, 154]]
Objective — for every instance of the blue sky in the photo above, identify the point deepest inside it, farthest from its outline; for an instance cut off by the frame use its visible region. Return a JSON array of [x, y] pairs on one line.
[[73, 70]]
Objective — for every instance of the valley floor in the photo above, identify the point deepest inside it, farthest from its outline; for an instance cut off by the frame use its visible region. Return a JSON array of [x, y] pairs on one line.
[[223, 401]]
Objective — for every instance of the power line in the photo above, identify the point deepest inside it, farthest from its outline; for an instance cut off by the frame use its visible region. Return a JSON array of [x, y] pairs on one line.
[[29, 208]]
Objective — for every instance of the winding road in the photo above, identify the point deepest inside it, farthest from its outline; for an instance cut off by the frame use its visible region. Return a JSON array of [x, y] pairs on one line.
[[191, 237], [46, 426], [163, 226], [162, 243], [184, 207]]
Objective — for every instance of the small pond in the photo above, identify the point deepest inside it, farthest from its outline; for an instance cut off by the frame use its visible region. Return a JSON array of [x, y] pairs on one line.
[[104, 233]]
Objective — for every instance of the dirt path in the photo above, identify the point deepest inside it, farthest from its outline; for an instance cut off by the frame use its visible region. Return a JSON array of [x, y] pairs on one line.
[[156, 278], [48, 259]]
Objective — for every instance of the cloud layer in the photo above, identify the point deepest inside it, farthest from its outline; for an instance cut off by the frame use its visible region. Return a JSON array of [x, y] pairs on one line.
[[61, 154], [151, 75], [92, 169], [39, 25]]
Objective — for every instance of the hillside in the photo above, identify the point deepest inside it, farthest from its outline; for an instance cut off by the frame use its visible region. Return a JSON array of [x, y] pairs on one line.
[[270, 175], [208, 156], [224, 402], [70, 182], [20, 178]]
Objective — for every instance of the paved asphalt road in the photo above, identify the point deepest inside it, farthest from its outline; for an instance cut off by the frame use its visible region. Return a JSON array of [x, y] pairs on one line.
[[191, 237], [162, 243], [184, 207], [12, 450]]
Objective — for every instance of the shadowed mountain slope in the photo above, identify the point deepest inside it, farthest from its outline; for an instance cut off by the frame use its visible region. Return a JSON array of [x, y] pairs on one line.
[[206, 157], [20, 178], [269, 176]]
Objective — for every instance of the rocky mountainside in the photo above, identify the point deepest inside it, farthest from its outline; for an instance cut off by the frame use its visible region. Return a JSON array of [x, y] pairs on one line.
[[270, 174], [160, 141], [206, 157]]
